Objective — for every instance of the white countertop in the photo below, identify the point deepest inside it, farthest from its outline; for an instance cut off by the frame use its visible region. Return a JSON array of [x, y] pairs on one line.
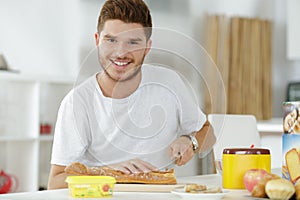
[[62, 194], [268, 126]]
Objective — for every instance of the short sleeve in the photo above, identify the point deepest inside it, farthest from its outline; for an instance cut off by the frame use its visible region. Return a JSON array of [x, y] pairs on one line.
[[191, 116], [69, 145]]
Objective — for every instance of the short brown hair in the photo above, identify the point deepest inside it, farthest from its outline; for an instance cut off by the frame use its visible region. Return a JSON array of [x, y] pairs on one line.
[[128, 11]]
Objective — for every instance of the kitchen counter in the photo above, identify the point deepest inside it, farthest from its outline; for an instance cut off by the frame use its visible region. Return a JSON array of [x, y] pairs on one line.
[[62, 194], [274, 125]]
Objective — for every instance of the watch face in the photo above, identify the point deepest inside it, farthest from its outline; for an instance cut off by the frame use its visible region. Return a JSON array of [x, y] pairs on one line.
[[195, 142]]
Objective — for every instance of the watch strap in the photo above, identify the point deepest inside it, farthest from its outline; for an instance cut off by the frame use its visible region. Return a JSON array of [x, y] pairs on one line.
[[194, 141]]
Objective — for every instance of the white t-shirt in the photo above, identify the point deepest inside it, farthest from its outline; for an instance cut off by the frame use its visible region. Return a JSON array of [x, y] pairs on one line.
[[97, 130]]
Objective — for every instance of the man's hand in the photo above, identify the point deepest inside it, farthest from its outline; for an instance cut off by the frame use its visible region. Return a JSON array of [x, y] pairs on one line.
[[181, 150], [134, 166]]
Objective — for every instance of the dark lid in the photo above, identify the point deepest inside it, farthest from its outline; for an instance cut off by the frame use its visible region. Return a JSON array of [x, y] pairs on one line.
[[291, 103], [243, 151]]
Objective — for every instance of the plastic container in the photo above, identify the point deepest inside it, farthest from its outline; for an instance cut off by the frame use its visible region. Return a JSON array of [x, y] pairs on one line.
[[90, 186], [291, 119], [291, 141], [236, 161], [291, 157]]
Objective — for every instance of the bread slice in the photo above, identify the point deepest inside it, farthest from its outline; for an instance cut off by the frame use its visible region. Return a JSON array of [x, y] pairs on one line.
[[194, 187], [160, 177], [293, 164]]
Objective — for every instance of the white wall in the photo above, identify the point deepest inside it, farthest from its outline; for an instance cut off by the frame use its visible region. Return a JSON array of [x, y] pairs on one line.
[[40, 37], [284, 70], [54, 37], [293, 29]]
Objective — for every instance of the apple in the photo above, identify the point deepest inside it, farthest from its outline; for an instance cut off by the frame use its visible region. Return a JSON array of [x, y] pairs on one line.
[[252, 177]]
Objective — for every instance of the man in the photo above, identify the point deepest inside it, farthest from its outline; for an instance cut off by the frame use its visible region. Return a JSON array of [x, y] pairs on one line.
[[130, 117]]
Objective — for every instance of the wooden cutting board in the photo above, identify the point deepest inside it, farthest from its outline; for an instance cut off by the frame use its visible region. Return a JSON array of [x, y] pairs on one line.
[[145, 187]]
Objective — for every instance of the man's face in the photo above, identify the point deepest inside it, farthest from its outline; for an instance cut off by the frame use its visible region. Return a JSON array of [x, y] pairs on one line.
[[122, 48]]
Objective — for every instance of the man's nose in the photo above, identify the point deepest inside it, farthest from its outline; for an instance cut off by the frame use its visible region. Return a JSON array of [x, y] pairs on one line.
[[121, 49]]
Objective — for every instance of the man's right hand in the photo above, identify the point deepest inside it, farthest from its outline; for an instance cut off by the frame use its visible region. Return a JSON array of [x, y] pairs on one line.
[[134, 166]]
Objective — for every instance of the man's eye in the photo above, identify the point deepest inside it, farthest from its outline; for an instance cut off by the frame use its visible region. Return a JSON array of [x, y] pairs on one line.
[[133, 42], [111, 40]]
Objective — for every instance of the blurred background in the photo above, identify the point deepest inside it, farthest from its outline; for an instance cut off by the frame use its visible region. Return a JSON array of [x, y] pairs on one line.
[[45, 46], [53, 37]]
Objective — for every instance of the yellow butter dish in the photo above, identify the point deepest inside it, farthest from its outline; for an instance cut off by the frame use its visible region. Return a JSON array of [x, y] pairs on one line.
[[90, 186]]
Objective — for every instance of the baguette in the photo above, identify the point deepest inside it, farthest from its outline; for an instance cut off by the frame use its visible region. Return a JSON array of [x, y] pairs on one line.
[[159, 177]]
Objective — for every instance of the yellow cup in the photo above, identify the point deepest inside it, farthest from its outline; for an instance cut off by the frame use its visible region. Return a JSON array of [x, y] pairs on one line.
[[236, 161]]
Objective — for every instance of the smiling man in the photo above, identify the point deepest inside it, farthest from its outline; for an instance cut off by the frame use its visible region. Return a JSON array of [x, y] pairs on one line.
[[130, 116], [122, 48]]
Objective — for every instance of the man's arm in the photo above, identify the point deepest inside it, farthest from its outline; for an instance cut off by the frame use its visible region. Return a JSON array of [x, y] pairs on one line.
[[205, 137], [57, 177]]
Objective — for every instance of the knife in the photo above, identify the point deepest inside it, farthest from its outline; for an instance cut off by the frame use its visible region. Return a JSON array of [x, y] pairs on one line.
[[172, 163]]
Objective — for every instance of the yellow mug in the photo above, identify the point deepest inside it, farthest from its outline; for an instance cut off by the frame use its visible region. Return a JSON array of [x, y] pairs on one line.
[[236, 161]]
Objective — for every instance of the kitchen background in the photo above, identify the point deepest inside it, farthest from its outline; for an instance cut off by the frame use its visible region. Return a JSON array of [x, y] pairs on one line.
[[49, 40], [53, 37]]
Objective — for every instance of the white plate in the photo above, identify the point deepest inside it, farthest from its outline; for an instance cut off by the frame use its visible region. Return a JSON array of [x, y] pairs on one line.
[[186, 195]]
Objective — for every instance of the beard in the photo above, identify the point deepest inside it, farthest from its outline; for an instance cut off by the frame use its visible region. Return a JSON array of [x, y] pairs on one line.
[[105, 64], [131, 74]]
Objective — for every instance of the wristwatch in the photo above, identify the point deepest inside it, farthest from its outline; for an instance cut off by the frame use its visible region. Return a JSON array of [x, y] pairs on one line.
[[194, 141]]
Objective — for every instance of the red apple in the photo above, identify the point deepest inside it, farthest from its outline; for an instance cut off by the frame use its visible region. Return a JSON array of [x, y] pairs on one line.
[[252, 176]]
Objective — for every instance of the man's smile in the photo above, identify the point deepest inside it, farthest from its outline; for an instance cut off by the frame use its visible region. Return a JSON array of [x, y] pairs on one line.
[[120, 64]]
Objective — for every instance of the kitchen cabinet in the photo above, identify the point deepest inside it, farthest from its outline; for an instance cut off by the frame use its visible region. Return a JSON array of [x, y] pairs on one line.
[[25, 103]]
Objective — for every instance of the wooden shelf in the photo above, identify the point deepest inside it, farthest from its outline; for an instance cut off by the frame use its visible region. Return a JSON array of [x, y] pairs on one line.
[[9, 76], [16, 139], [46, 138]]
